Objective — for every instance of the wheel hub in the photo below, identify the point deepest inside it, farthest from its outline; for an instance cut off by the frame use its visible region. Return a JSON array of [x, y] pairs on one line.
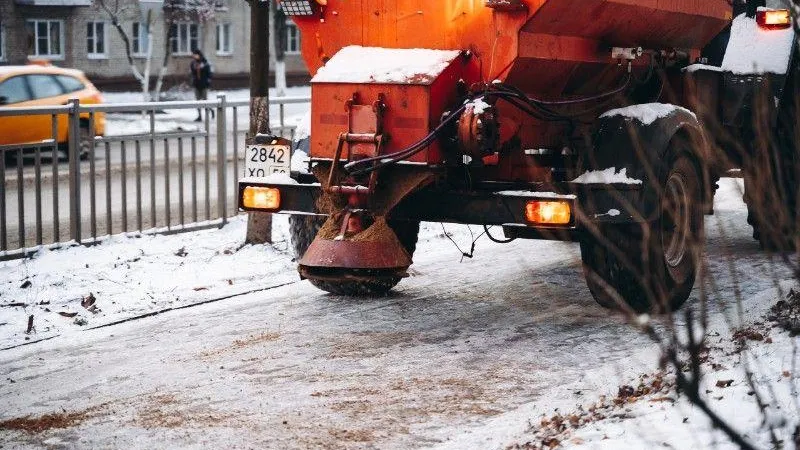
[[676, 222]]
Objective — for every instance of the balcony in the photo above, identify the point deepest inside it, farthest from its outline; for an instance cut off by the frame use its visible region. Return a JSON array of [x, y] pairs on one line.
[[54, 2]]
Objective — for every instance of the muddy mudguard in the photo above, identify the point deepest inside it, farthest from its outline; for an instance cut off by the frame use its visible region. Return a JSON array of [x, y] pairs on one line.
[[627, 143]]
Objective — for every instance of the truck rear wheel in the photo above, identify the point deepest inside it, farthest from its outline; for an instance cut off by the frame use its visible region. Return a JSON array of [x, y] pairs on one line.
[[771, 177], [303, 230], [771, 212], [650, 267]]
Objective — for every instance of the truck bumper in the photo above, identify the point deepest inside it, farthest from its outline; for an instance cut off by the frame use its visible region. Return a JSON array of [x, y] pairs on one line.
[[589, 204]]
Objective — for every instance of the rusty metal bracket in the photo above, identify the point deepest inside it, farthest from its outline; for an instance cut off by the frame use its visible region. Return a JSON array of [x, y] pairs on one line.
[[364, 138]]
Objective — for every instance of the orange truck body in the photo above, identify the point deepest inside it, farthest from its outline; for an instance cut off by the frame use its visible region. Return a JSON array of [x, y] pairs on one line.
[[552, 119], [549, 49]]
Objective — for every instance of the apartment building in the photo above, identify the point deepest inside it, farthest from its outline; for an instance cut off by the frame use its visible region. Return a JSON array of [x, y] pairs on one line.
[[81, 34]]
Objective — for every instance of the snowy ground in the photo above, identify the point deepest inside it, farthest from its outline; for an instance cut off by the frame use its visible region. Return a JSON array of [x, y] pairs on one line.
[[651, 414], [470, 353], [130, 276], [183, 119], [139, 275]]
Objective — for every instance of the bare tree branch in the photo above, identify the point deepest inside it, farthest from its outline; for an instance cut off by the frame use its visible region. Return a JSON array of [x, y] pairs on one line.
[[114, 16]]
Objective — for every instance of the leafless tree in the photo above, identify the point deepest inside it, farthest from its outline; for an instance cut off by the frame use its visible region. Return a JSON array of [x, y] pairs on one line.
[[771, 172], [173, 11], [279, 41], [199, 11], [116, 11]]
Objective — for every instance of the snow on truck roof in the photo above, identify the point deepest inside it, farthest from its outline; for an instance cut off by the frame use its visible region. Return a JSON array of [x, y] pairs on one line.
[[356, 64]]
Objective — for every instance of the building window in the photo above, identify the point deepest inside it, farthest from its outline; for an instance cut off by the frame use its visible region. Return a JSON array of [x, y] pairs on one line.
[[96, 39], [46, 38], [292, 39], [221, 5], [139, 39], [224, 45], [184, 37]]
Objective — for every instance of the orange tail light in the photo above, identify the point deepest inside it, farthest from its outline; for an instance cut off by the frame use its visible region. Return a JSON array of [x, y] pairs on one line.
[[548, 212], [774, 20], [261, 198]]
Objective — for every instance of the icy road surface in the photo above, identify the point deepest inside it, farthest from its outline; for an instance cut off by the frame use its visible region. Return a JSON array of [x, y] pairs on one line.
[[462, 355]]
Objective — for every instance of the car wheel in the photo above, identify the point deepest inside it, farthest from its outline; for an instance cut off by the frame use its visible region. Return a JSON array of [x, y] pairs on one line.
[[85, 144]]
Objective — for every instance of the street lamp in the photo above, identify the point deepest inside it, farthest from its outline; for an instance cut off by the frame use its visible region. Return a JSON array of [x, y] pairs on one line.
[[301, 7]]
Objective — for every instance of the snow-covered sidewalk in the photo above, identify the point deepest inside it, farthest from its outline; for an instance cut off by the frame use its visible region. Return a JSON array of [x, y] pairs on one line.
[[68, 290], [73, 289], [745, 364]]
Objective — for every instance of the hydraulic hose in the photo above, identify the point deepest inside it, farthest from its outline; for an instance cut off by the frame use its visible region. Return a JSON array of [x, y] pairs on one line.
[[522, 96], [392, 158], [534, 107]]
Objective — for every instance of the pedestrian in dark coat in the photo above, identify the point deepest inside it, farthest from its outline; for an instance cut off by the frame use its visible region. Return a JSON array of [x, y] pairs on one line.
[[201, 78]]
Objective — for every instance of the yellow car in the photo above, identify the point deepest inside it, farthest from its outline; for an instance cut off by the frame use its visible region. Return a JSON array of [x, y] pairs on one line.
[[45, 85]]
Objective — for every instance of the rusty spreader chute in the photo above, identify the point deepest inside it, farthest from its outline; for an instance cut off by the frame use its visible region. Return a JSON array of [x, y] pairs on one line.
[[356, 242]]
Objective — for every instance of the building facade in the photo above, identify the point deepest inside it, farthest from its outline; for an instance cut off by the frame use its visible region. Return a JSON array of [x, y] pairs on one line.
[[81, 34]]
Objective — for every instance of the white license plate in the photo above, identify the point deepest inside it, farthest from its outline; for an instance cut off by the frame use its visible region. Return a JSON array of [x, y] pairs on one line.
[[265, 160]]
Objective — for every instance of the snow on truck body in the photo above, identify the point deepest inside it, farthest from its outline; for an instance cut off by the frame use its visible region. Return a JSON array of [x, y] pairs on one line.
[[405, 128], [356, 64]]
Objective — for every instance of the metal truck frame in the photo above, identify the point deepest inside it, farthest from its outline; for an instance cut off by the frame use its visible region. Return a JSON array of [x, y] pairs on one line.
[[575, 121]]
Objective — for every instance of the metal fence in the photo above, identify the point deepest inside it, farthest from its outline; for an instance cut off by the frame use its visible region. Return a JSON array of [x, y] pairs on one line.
[[79, 187]]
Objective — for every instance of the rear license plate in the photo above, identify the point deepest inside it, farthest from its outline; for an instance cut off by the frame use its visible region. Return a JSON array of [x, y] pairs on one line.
[[265, 160]]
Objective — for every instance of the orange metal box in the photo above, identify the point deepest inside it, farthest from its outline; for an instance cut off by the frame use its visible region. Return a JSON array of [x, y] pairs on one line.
[[413, 106]]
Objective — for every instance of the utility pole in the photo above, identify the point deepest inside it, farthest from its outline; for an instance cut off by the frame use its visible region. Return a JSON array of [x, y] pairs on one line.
[[259, 224]]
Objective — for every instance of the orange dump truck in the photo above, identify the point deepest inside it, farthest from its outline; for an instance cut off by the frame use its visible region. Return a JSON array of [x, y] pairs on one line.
[[547, 119]]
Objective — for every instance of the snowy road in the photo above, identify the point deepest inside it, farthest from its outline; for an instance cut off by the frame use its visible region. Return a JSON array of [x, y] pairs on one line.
[[456, 348]]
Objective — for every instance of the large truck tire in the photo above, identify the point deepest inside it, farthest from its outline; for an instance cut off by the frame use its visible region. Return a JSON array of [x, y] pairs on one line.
[[771, 178], [771, 217], [650, 267], [303, 229]]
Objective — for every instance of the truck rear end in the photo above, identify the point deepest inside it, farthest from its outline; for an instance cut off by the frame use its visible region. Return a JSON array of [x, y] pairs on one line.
[[516, 114]]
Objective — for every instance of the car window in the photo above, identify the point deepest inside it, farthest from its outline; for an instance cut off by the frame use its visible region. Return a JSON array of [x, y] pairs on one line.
[[14, 90], [70, 84], [43, 86]]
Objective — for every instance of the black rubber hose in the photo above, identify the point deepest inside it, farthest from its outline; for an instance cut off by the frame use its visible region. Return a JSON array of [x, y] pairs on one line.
[[495, 240], [391, 158], [528, 109], [572, 101], [532, 106]]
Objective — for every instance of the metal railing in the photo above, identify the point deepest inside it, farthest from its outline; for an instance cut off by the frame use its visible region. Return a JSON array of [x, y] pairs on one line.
[[79, 187]]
